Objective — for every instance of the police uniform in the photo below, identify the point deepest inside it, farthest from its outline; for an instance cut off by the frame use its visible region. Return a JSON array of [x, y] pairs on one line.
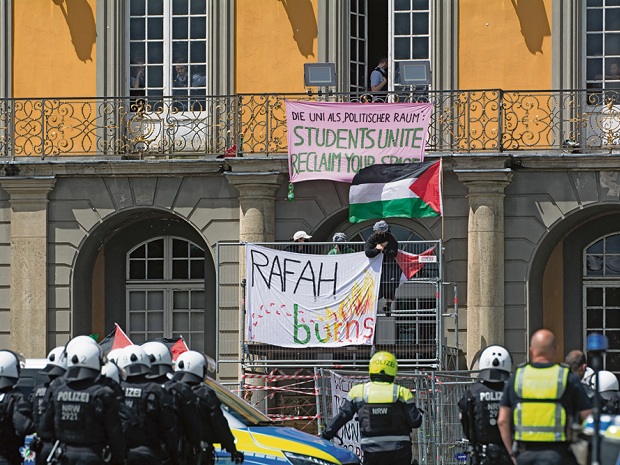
[[386, 413], [150, 429], [15, 424], [544, 398], [192, 369], [44, 442], [186, 419], [479, 408], [82, 412]]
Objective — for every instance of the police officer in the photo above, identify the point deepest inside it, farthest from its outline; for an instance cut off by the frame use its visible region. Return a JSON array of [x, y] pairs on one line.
[[191, 369], [186, 415], [56, 366], [609, 396], [386, 413], [81, 412], [151, 423], [479, 407], [540, 401], [15, 414]]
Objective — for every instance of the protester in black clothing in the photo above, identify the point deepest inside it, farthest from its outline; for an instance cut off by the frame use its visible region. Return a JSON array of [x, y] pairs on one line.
[[191, 369], [82, 412], [44, 441], [479, 408], [187, 420], [15, 414], [382, 241], [150, 430]]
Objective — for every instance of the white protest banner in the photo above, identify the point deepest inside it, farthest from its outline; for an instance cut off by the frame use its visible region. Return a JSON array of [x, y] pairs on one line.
[[334, 140], [350, 432], [300, 300]]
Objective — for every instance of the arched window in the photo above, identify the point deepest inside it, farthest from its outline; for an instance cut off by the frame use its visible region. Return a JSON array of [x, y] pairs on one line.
[[601, 280], [165, 291]]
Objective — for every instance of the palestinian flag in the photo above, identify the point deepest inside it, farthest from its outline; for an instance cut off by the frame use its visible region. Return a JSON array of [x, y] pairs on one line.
[[176, 345], [406, 190], [117, 339], [411, 263]]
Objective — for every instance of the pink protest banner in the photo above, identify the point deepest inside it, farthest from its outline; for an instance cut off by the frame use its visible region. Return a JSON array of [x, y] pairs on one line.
[[333, 141]]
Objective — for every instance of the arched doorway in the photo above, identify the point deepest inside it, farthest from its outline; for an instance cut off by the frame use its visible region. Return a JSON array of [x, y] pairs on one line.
[[101, 283]]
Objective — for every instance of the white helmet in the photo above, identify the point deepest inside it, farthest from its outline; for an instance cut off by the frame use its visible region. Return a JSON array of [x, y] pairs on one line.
[[192, 366], [587, 376], [495, 364], [10, 367], [135, 361], [84, 358], [56, 362], [607, 381], [114, 355], [113, 371], [160, 357]]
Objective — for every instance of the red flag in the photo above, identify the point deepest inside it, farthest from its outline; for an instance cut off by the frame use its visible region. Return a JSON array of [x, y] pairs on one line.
[[117, 339], [120, 338], [178, 348], [410, 263]]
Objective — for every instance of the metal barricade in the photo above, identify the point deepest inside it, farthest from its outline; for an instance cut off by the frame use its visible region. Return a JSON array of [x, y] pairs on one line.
[[440, 437]]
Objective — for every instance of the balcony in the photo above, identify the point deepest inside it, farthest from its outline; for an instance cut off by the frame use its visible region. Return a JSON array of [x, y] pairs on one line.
[[477, 121]]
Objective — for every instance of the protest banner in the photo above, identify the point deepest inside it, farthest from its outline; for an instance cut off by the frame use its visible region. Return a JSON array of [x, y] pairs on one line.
[[349, 434], [300, 300], [333, 141]]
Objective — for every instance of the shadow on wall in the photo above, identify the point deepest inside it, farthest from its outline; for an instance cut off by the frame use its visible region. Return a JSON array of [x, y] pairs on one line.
[[303, 22], [534, 23], [81, 21]]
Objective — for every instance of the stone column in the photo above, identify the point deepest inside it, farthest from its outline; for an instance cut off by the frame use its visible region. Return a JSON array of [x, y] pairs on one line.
[[28, 200], [257, 196], [485, 258]]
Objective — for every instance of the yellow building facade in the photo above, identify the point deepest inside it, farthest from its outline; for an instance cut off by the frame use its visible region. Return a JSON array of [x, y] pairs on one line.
[[141, 133]]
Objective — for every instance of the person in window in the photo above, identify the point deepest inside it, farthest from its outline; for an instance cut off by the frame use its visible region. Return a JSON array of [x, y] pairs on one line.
[[181, 81], [136, 75], [136, 84], [378, 79]]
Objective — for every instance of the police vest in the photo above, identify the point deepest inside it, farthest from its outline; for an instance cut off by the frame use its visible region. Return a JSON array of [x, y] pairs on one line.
[[380, 412], [79, 413], [142, 427], [538, 415], [485, 405]]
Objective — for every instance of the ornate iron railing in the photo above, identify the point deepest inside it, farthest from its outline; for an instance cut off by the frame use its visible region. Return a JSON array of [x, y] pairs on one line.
[[198, 126]]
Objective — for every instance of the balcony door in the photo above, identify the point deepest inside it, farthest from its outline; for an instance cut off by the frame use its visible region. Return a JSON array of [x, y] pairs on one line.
[[399, 29]]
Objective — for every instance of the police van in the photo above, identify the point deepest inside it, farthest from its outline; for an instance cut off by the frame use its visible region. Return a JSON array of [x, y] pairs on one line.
[[262, 441]]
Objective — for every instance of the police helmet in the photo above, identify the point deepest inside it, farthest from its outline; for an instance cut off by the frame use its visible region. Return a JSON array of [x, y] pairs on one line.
[[56, 362], [114, 354], [495, 364], [113, 371], [84, 358], [191, 366], [135, 361], [587, 376], [608, 383], [160, 357], [383, 363], [10, 367]]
